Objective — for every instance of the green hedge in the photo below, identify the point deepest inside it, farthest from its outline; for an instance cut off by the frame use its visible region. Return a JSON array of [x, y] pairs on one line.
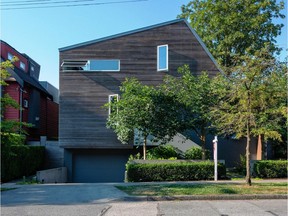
[[176, 171], [271, 169], [19, 161]]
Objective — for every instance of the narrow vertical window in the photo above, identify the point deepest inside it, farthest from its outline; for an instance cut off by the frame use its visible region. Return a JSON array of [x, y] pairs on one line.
[[112, 100], [22, 65], [10, 56], [162, 58]]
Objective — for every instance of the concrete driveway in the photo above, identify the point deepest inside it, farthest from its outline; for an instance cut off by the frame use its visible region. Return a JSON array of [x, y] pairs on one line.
[[60, 194]]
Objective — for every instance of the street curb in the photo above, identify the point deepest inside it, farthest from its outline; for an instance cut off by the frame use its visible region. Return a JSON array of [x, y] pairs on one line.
[[204, 197]]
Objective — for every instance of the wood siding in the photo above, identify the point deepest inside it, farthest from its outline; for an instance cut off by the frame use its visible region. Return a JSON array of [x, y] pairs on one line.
[[82, 94]]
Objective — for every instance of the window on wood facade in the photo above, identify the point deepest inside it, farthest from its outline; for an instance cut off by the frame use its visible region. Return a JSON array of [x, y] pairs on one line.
[[112, 99], [162, 58], [94, 65], [103, 65]]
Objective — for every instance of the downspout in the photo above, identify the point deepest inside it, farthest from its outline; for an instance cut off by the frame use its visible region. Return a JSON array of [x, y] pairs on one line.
[[21, 109]]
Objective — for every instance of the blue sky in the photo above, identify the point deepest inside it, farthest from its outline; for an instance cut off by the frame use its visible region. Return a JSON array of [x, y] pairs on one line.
[[41, 32]]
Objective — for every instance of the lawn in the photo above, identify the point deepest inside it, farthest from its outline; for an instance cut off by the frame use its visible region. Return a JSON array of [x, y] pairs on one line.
[[204, 189]]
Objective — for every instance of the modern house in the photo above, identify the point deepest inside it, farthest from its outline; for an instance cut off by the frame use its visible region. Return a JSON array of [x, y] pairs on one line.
[[37, 105], [90, 76]]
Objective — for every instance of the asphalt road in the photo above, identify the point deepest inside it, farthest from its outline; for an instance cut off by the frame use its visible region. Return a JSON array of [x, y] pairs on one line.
[[163, 208], [106, 200]]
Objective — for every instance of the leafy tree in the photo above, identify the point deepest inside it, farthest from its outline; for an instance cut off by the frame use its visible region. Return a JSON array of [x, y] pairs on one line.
[[163, 152], [229, 27], [194, 93], [252, 101], [145, 109], [12, 132]]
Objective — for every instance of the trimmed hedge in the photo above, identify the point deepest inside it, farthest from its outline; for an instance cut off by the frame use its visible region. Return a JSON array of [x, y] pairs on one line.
[[176, 171], [271, 168], [19, 161]]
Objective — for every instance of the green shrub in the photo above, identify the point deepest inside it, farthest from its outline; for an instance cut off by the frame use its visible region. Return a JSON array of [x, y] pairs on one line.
[[271, 168], [163, 152], [195, 153], [241, 166], [21, 161], [174, 171]]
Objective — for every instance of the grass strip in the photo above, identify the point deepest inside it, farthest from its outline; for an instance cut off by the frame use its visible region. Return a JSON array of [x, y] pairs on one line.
[[6, 189], [204, 189]]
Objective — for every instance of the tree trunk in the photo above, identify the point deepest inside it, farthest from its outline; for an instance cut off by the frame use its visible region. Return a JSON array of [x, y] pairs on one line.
[[203, 142], [248, 172], [144, 147]]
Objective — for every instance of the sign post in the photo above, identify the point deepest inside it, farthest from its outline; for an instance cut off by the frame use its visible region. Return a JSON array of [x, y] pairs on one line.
[[215, 141]]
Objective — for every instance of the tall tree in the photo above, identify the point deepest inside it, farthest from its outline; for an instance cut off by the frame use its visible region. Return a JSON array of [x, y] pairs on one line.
[[252, 101], [229, 27], [194, 93], [144, 109]]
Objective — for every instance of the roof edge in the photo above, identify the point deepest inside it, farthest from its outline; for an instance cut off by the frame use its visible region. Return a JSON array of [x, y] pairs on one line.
[[120, 34], [204, 46]]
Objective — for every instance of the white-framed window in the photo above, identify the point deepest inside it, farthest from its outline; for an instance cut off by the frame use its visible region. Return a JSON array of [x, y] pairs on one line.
[[9, 56], [162, 58], [112, 99], [22, 65], [25, 103]]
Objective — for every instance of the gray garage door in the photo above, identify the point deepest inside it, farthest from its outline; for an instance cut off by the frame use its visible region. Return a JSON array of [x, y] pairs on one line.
[[99, 166]]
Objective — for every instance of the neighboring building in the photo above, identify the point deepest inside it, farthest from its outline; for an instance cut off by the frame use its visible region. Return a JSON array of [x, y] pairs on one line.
[[37, 104]]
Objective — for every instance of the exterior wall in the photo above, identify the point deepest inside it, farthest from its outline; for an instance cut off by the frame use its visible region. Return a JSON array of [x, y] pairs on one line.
[[13, 90], [41, 111], [5, 49], [52, 120], [83, 94]]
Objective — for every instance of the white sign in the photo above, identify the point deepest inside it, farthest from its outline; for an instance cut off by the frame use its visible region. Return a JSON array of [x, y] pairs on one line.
[[215, 141]]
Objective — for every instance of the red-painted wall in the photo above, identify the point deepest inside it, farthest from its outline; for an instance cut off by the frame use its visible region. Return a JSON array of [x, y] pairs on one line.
[[52, 119], [13, 90], [5, 49]]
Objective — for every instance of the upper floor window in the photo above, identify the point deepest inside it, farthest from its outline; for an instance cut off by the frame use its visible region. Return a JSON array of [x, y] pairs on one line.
[[32, 68], [162, 58], [112, 99], [22, 65], [103, 65], [10, 56], [109, 65]]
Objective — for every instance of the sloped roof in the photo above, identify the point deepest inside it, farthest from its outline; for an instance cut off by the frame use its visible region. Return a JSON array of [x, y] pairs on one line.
[[22, 76], [141, 30]]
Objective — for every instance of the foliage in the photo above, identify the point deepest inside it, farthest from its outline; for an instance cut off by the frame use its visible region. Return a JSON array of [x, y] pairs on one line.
[[176, 171], [194, 94], [229, 27], [195, 153], [12, 131], [271, 169], [143, 108], [252, 102], [163, 152], [241, 166], [22, 161]]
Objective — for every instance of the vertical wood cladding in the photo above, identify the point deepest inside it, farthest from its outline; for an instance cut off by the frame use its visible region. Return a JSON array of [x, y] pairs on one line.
[[13, 90], [82, 94]]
